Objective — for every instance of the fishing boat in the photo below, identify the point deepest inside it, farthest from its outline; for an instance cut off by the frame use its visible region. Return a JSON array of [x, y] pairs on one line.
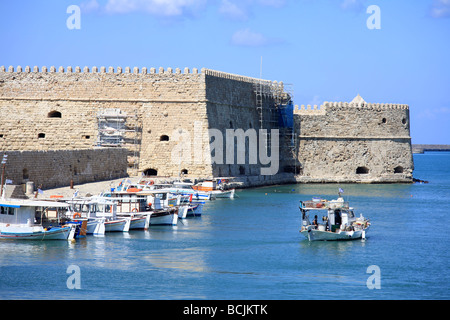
[[156, 207], [217, 190], [165, 207], [338, 221], [24, 219], [186, 188], [190, 207], [99, 213]]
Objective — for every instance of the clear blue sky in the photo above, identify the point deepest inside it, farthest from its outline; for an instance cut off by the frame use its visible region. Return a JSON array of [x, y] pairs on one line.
[[322, 47]]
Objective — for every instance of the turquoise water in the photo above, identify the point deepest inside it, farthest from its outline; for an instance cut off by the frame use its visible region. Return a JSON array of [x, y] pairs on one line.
[[251, 248]]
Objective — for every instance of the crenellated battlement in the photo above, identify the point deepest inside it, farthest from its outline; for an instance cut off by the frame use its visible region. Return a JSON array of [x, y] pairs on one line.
[[231, 76], [142, 71], [310, 110], [102, 69], [322, 109]]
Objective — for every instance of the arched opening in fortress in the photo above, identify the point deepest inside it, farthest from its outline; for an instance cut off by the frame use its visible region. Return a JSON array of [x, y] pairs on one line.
[[362, 170], [41, 135], [184, 171], [164, 138], [398, 169], [150, 172], [54, 114]]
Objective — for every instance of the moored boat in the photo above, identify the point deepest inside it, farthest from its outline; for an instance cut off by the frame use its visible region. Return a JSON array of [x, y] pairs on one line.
[[217, 190], [23, 219], [186, 188], [99, 213], [157, 206]]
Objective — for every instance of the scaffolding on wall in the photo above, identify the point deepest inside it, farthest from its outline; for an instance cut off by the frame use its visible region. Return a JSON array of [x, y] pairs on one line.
[[116, 128], [274, 103]]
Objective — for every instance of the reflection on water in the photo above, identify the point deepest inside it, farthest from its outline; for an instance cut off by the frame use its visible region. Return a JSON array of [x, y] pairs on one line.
[[332, 248], [187, 259], [350, 190], [33, 251]]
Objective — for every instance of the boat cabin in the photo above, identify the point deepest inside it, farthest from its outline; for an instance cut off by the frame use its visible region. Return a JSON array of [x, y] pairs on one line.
[[159, 199], [338, 214], [94, 207], [31, 212], [208, 185]]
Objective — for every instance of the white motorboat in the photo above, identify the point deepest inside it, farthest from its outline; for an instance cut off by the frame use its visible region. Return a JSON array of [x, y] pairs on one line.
[[216, 190], [156, 206], [100, 214], [24, 219], [186, 188], [338, 222]]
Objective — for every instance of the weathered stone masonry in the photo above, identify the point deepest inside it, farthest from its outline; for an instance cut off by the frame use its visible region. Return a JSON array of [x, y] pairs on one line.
[[56, 110], [355, 142]]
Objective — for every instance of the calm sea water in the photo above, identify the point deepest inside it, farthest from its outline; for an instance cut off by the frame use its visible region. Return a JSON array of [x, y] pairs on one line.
[[251, 248]]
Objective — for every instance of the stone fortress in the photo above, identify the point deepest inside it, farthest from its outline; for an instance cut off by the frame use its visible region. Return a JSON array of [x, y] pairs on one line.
[[82, 125]]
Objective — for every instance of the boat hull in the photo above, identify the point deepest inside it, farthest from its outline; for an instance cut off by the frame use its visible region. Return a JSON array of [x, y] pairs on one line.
[[182, 212], [164, 218], [318, 235], [195, 210], [138, 223], [115, 225], [52, 234], [228, 194]]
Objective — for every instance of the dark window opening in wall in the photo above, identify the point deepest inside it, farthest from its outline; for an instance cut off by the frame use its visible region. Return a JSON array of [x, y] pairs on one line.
[[54, 114], [383, 120], [1, 135], [151, 172], [25, 174], [404, 120], [362, 170], [184, 171], [231, 124], [241, 170], [398, 169], [41, 135], [86, 137], [293, 169], [164, 138]]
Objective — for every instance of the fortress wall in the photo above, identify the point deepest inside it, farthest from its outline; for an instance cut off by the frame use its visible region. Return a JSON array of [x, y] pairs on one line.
[[338, 138], [57, 168], [162, 100], [168, 119], [337, 160], [370, 120], [25, 125], [111, 85], [232, 105]]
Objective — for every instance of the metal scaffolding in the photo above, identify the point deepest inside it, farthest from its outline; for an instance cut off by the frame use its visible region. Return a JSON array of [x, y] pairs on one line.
[[116, 128]]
